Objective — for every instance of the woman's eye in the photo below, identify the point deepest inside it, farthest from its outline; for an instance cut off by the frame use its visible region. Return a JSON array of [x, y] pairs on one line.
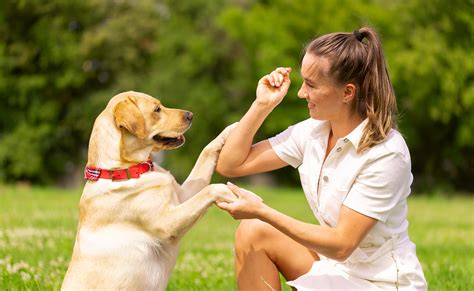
[[157, 109]]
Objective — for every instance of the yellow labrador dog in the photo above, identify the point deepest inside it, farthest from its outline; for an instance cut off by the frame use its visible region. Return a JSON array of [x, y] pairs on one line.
[[133, 213]]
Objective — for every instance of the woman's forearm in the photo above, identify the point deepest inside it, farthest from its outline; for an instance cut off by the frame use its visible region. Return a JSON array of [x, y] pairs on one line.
[[320, 239], [238, 145], [336, 243], [271, 90]]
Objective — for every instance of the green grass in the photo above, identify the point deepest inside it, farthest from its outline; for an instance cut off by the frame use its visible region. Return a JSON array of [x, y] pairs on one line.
[[37, 230]]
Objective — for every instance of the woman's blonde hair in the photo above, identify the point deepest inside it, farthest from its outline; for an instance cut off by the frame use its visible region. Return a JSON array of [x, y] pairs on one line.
[[353, 60]]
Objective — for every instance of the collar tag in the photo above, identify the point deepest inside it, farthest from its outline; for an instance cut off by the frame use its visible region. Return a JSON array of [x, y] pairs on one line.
[[92, 174]]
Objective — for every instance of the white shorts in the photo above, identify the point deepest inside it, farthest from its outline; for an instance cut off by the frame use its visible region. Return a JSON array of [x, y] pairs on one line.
[[327, 274]]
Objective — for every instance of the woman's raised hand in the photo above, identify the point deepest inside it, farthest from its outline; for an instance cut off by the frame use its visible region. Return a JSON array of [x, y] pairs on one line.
[[273, 87]]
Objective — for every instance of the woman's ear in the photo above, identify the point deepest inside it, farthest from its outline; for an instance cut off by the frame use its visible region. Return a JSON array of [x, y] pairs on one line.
[[349, 93]]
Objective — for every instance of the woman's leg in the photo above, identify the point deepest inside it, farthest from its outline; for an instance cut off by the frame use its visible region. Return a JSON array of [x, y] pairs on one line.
[[262, 252]]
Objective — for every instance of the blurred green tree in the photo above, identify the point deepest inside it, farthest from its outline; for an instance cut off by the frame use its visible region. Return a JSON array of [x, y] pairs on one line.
[[432, 60], [190, 69], [63, 60]]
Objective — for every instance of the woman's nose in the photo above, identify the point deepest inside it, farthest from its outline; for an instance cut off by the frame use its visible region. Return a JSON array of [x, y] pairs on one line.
[[302, 93]]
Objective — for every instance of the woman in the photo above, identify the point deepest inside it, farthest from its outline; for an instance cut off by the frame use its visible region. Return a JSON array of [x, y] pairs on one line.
[[354, 168]]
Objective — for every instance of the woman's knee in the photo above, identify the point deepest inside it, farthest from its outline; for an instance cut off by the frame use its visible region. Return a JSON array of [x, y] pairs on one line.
[[253, 232]]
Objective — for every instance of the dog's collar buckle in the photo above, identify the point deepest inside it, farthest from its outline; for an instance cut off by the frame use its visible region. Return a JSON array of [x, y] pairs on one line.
[[119, 177]]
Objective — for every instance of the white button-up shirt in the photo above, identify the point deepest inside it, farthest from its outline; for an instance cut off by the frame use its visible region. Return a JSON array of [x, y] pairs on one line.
[[375, 183]]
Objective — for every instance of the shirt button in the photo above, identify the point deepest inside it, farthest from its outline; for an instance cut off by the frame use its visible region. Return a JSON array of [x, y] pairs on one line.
[[346, 139], [338, 149], [325, 178]]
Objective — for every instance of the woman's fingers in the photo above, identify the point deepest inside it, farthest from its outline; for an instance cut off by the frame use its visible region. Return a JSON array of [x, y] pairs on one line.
[[267, 80], [283, 71], [243, 193], [276, 78], [223, 205], [279, 76], [235, 189]]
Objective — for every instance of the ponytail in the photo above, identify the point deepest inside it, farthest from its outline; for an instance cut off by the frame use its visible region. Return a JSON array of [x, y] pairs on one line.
[[358, 58]]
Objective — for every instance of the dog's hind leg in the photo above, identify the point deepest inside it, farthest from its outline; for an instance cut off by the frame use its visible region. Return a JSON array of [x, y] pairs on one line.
[[202, 171]]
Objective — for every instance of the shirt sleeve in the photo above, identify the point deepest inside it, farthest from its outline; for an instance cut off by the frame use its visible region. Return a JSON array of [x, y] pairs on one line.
[[289, 145], [380, 186]]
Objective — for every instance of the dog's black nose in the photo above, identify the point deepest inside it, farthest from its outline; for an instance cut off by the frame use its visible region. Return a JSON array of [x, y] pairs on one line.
[[189, 116]]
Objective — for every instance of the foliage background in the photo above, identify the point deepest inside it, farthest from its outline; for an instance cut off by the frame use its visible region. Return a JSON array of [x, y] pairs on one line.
[[61, 61]]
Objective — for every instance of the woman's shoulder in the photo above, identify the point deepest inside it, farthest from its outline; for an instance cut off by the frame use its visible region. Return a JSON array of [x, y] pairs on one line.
[[394, 143], [310, 125], [300, 132]]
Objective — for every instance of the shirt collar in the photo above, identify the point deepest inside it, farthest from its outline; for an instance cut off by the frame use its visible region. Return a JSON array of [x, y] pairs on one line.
[[356, 134]]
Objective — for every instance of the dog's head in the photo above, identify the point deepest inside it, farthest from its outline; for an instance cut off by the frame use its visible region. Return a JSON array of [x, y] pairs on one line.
[[144, 119]]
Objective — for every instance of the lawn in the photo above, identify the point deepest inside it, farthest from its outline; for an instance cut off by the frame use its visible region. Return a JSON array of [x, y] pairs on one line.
[[37, 230]]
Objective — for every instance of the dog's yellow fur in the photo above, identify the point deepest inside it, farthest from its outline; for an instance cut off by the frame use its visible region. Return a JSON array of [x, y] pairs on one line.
[[129, 231]]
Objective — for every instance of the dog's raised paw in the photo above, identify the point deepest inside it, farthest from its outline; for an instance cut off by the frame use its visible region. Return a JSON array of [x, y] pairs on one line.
[[222, 193]]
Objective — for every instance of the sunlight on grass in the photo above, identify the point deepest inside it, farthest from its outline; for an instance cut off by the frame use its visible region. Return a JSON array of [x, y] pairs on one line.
[[37, 230]]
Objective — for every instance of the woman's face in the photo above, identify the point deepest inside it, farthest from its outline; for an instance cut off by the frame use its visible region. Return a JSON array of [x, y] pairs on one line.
[[325, 99]]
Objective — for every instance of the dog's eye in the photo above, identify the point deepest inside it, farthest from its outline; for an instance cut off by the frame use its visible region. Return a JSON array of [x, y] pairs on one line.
[[158, 109]]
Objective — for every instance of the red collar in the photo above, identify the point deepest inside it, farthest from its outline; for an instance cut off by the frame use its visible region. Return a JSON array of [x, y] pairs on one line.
[[94, 174]]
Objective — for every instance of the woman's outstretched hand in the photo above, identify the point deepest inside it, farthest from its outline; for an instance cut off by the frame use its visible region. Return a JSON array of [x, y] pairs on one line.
[[247, 205], [272, 88]]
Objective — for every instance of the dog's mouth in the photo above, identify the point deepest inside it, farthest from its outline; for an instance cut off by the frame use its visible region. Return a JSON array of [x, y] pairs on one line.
[[169, 141]]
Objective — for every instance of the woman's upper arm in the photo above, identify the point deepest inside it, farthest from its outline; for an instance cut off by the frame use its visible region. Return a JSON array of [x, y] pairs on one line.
[[261, 158]]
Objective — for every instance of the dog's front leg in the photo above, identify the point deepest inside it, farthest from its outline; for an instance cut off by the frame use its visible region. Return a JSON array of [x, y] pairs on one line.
[[176, 220], [202, 171]]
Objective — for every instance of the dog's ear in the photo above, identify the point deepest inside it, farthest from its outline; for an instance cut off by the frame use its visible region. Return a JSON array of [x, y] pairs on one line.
[[128, 115]]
